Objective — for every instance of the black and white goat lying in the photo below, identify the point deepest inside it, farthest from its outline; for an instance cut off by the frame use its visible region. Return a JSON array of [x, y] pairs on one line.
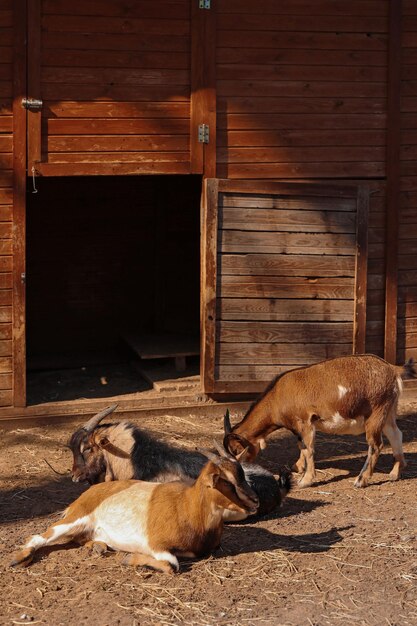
[[122, 451], [156, 523]]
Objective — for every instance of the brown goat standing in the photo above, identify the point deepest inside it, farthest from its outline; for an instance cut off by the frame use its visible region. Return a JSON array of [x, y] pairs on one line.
[[346, 395]]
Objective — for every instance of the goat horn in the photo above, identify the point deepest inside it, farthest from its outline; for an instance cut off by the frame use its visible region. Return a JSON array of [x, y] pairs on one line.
[[96, 419], [208, 454], [222, 451], [226, 422]]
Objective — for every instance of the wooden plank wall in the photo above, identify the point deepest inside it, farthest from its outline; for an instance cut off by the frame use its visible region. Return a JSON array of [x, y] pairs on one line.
[[6, 199], [407, 258], [115, 80], [321, 70]]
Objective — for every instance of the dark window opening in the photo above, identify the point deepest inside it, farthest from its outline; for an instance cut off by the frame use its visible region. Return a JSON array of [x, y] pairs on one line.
[[113, 284]]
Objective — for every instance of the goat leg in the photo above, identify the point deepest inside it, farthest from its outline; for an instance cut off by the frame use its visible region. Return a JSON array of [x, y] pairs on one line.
[[308, 454], [300, 465], [395, 437], [146, 560], [374, 439]]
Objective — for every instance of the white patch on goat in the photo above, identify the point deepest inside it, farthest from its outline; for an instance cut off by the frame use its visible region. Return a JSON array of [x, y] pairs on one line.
[[400, 384], [262, 443], [121, 520], [167, 556], [37, 541], [342, 391], [341, 425]]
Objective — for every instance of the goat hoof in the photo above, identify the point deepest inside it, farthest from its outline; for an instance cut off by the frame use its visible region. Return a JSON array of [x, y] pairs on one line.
[[360, 483], [303, 483], [21, 559], [99, 547], [394, 476]]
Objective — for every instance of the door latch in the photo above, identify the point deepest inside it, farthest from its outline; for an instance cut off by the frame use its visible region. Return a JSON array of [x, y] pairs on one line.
[[32, 104]]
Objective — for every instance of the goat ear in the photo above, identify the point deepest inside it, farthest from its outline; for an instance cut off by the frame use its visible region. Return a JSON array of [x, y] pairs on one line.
[[212, 480], [226, 423], [239, 446], [104, 443]]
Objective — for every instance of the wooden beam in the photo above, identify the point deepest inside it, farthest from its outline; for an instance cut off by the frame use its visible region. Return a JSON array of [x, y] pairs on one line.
[[210, 149], [110, 169], [19, 203], [34, 117], [208, 283], [203, 88], [359, 325], [197, 99], [393, 178]]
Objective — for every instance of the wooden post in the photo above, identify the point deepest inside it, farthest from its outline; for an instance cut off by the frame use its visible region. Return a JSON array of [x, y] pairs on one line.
[[34, 118], [393, 179], [203, 88], [19, 204], [362, 225], [209, 283]]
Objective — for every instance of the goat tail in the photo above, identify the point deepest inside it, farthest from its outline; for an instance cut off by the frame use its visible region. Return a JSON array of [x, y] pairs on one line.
[[408, 370]]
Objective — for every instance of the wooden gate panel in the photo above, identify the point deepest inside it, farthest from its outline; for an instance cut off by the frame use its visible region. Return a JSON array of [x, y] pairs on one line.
[[285, 273]]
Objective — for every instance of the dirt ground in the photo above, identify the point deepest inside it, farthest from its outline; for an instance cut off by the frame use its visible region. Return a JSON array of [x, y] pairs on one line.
[[332, 555]]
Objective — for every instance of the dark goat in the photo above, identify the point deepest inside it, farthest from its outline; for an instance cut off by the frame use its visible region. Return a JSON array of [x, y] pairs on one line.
[[122, 451]]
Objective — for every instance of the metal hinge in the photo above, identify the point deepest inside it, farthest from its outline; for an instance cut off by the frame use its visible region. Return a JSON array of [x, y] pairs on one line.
[[203, 133], [204, 4], [32, 104]]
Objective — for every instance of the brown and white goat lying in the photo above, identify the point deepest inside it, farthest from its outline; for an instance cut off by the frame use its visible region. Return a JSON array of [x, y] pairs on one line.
[[156, 523], [344, 396], [122, 451]]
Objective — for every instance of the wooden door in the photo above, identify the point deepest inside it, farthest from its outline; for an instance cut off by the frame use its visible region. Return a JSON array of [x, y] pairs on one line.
[[284, 279], [116, 87]]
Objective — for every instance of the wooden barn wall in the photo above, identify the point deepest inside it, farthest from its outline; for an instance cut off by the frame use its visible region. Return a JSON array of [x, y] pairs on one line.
[[407, 257], [321, 69], [115, 81], [6, 200], [302, 94]]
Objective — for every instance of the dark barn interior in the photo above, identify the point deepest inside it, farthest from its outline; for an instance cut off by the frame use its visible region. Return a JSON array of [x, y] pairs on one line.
[[113, 264]]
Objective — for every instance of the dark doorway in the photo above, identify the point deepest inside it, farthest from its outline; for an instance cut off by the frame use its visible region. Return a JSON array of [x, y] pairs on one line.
[[112, 263]]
